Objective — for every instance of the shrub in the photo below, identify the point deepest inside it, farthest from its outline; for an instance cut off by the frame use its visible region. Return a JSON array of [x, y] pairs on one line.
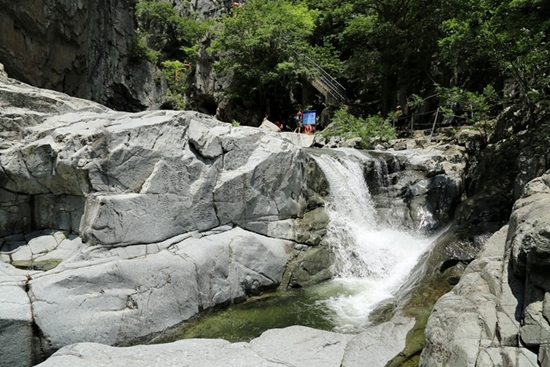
[[348, 126]]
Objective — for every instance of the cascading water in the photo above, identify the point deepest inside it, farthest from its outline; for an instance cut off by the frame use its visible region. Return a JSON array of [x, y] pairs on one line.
[[371, 260]]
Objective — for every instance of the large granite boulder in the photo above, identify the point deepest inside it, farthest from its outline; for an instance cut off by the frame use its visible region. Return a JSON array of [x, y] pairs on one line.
[[16, 319], [139, 178], [126, 294], [498, 312], [126, 224]]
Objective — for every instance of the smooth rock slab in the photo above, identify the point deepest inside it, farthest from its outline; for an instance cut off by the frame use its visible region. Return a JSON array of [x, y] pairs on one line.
[[301, 346], [296, 346], [100, 296]]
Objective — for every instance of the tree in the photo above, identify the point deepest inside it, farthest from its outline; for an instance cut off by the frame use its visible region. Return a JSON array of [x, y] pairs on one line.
[[333, 18], [259, 47], [391, 46], [509, 36]]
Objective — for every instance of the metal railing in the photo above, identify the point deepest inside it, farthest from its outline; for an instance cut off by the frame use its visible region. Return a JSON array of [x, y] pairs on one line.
[[324, 80]]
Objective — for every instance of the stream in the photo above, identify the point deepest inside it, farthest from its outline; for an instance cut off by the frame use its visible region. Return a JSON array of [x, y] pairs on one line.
[[372, 260]]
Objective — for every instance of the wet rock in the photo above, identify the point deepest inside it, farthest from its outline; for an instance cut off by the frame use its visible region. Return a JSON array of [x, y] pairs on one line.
[[310, 267]]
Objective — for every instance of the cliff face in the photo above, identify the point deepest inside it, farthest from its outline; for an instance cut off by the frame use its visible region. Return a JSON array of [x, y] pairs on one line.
[[80, 48]]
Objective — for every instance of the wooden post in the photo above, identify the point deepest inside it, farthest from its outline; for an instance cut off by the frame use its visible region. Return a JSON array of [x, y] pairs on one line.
[[435, 120]]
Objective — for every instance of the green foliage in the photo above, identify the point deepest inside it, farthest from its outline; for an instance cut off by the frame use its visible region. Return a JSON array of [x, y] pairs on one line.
[[141, 51], [475, 106], [383, 51], [175, 100], [173, 35], [348, 126], [258, 47], [416, 101], [390, 44], [175, 73], [326, 40], [235, 123], [170, 40], [509, 36]]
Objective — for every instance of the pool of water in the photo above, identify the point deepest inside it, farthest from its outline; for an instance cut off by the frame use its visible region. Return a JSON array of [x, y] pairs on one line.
[[246, 321]]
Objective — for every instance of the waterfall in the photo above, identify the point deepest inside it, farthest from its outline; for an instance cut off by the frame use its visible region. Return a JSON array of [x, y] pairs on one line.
[[371, 259], [381, 170]]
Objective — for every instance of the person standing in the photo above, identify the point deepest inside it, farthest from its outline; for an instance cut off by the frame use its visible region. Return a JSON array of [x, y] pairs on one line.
[[298, 120]]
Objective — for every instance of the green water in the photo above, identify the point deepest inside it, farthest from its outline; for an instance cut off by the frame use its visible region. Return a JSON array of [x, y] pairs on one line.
[[246, 321]]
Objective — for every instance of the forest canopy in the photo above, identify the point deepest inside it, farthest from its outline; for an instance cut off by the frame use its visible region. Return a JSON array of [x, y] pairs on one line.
[[385, 52]]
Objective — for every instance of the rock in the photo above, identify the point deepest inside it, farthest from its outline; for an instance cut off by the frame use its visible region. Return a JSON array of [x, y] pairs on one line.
[[410, 187], [3, 74], [301, 346], [334, 142], [291, 346], [352, 143], [490, 188], [269, 126], [42, 250], [113, 298], [529, 225], [310, 267], [125, 211], [82, 50], [190, 352], [498, 312], [319, 140], [100, 172], [301, 140], [16, 319], [380, 343], [464, 321]]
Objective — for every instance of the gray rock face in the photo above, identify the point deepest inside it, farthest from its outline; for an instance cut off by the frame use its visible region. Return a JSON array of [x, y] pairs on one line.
[[498, 312], [144, 219], [123, 171], [79, 48], [16, 320], [205, 8], [378, 344], [136, 222]]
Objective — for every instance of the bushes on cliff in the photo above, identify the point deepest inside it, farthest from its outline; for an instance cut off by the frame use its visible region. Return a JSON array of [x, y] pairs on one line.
[[169, 40], [176, 37]]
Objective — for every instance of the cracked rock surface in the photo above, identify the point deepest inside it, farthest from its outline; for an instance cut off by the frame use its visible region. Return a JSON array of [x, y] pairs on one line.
[[497, 315], [123, 225]]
